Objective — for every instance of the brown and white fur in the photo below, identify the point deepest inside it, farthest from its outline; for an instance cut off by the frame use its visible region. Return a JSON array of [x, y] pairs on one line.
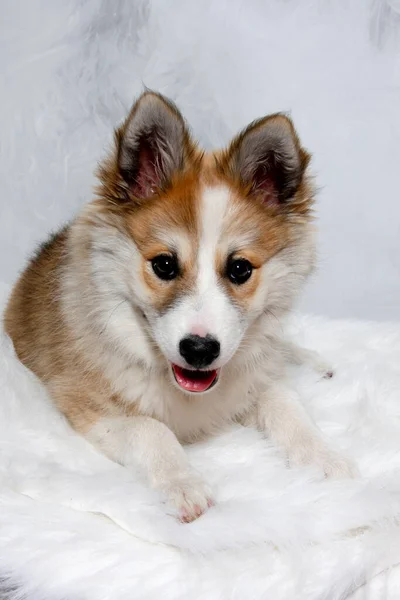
[[98, 326]]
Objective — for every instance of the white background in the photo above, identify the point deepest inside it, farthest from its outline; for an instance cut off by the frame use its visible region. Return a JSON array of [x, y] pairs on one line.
[[70, 69]]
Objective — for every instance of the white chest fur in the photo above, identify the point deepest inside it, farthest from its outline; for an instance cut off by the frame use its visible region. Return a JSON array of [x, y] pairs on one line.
[[188, 416]]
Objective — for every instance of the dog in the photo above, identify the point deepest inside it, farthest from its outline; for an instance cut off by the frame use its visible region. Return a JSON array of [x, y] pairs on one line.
[[154, 317]]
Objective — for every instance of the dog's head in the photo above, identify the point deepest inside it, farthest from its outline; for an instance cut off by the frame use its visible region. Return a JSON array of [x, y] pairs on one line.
[[202, 245]]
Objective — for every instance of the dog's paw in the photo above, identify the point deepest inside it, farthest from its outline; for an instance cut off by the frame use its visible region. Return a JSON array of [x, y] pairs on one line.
[[337, 466], [318, 364], [189, 494], [323, 368], [333, 464]]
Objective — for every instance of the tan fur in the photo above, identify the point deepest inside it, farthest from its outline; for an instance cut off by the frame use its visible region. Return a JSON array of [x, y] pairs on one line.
[[45, 344]]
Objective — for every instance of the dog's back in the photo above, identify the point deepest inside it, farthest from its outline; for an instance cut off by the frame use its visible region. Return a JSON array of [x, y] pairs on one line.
[[32, 317]]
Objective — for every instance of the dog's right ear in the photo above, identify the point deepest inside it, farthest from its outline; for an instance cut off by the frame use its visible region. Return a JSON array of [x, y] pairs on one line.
[[152, 145]]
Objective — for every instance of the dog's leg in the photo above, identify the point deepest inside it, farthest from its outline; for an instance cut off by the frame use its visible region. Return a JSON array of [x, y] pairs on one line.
[[303, 356], [151, 445], [280, 414]]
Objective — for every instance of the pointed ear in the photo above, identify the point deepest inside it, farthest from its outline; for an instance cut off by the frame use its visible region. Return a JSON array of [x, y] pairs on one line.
[[152, 144], [267, 160]]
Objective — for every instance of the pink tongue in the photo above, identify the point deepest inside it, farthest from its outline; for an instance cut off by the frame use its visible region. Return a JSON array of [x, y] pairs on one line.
[[194, 381]]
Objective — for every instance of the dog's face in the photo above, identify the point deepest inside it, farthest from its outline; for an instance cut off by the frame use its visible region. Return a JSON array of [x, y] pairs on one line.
[[211, 243]]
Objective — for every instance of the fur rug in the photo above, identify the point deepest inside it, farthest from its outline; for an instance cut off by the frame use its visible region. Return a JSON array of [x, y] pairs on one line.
[[75, 525]]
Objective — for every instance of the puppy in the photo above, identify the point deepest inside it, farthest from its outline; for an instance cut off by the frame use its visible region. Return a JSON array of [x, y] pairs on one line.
[[153, 318]]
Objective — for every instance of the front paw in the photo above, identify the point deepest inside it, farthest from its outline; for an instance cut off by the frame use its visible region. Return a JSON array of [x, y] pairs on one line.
[[337, 466], [319, 365], [323, 368], [332, 463], [189, 494]]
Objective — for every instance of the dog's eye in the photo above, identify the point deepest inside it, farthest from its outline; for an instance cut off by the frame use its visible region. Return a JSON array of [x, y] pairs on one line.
[[239, 270], [165, 266]]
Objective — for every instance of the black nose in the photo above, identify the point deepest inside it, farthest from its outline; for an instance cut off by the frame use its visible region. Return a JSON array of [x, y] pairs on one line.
[[199, 352]]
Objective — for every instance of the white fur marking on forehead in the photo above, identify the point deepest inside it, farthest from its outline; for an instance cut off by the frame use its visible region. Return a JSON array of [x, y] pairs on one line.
[[214, 203]]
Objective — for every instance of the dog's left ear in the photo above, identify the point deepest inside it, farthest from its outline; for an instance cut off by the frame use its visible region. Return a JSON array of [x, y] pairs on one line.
[[267, 160]]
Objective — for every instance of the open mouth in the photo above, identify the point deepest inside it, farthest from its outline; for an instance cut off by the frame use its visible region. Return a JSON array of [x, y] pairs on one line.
[[195, 381]]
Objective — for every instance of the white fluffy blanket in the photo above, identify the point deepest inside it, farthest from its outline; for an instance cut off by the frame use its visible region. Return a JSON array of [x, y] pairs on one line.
[[74, 525]]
